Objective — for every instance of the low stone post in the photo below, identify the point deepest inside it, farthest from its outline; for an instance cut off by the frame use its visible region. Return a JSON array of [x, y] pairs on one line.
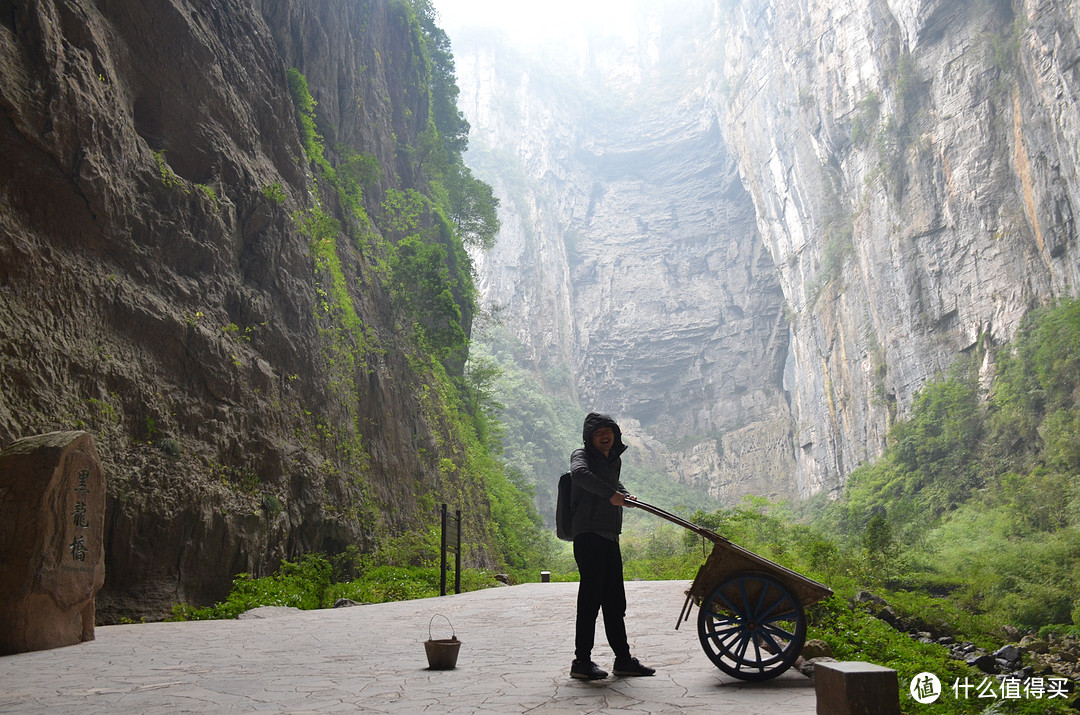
[[856, 688], [52, 559]]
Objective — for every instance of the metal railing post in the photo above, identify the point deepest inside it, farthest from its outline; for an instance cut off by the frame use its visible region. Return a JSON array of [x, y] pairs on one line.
[[457, 556], [442, 555]]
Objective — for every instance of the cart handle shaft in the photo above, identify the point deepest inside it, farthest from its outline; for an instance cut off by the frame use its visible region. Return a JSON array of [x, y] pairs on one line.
[[697, 529]]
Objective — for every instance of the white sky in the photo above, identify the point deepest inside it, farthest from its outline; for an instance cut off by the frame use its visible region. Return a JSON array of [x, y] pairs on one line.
[[537, 20]]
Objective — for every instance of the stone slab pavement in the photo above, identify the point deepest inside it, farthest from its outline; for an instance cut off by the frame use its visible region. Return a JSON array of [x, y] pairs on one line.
[[517, 644]]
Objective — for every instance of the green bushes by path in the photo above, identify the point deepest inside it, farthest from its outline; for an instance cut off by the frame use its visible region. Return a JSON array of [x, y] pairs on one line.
[[318, 581]]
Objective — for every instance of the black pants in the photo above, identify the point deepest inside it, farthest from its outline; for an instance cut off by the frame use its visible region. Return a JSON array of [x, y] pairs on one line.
[[599, 562]]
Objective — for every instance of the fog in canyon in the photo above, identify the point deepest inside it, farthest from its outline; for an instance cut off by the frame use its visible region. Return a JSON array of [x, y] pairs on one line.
[[752, 230]]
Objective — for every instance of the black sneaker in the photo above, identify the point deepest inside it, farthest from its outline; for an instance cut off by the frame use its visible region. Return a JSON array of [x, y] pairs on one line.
[[586, 670], [631, 666]]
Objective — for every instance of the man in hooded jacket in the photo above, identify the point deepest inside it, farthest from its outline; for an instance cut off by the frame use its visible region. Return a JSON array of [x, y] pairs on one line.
[[597, 497]]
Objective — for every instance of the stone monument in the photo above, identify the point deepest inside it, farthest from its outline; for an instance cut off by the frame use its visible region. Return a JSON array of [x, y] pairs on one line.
[[52, 559]]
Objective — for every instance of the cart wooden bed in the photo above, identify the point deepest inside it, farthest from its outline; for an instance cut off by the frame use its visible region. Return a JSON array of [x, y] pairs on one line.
[[751, 620]]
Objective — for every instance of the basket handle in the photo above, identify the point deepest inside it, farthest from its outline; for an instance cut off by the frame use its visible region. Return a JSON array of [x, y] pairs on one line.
[[453, 633]]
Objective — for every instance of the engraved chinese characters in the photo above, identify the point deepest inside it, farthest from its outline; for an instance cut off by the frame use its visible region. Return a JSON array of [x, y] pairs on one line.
[[52, 512]]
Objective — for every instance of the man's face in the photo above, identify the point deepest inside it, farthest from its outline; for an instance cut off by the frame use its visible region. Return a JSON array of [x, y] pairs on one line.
[[603, 438]]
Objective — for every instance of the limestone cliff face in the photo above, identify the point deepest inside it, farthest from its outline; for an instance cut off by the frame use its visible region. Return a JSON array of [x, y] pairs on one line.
[[913, 166], [891, 183], [629, 253], [158, 289]]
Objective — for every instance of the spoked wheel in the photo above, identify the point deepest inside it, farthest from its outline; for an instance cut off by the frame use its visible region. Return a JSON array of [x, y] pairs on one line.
[[752, 627]]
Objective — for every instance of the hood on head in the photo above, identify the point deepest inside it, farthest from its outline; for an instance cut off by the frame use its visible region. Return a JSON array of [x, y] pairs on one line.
[[595, 420]]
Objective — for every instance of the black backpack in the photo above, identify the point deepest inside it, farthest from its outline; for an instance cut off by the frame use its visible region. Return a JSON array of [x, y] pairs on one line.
[[564, 511]]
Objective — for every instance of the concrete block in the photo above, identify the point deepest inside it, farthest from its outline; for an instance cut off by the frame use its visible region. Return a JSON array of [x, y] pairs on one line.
[[856, 688]]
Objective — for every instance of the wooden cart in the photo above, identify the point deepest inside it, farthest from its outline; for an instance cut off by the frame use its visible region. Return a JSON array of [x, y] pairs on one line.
[[750, 618]]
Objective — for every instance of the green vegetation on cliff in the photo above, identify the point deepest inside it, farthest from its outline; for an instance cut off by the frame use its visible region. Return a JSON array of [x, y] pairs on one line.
[[968, 525], [976, 499], [978, 489], [407, 227]]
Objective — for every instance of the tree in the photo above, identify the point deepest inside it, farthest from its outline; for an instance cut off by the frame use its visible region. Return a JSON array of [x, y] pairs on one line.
[[877, 539], [420, 282], [473, 208], [451, 123]]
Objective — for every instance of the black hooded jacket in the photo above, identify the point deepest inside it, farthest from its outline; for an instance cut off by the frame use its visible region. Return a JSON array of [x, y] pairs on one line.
[[594, 480]]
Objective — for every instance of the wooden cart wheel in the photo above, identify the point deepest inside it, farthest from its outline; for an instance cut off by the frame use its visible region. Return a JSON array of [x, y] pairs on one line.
[[752, 627]]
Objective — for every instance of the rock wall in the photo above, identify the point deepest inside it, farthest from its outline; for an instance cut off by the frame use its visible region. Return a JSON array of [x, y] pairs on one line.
[[629, 254], [909, 168], [157, 288], [913, 168]]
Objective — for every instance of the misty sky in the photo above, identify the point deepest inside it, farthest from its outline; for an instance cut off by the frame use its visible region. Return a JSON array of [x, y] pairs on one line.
[[539, 20]]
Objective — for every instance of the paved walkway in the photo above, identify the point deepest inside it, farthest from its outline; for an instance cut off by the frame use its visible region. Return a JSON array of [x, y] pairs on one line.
[[517, 644]]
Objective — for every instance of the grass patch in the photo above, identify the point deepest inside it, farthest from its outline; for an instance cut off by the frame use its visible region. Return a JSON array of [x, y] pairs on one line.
[[318, 581]]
